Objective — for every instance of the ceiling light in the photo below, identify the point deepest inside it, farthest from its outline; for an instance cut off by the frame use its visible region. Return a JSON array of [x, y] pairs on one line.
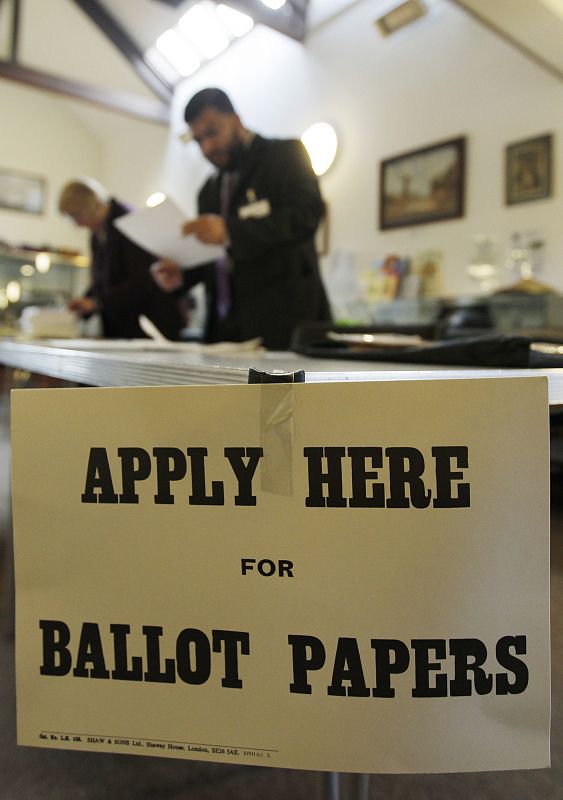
[[235, 21], [176, 50], [27, 270], [155, 199], [13, 291], [275, 5], [162, 65], [43, 262], [3, 299], [204, 29], [321, 144]]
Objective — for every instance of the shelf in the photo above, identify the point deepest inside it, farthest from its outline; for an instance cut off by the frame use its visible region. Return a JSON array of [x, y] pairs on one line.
[[64, 259]]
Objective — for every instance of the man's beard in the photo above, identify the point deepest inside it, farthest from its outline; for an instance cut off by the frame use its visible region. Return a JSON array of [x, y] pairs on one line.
[[236, 152]]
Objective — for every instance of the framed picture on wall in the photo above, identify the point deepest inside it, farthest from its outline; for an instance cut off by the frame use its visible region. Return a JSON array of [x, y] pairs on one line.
[[528, 169], [424, 185], [22, 191]]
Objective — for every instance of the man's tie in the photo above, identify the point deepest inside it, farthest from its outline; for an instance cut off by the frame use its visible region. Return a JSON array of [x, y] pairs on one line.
[[228, 183]]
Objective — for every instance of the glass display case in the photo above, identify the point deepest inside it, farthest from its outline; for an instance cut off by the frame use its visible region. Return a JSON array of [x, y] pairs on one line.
[[37, 278]]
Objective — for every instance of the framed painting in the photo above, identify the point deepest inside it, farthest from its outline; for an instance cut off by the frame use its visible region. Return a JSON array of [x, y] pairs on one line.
[[528, 170], [422, 186], [22, 191]]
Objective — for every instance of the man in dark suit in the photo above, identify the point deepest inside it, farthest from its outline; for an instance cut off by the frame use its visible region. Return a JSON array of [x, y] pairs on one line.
[[121, 284], [264, 205]]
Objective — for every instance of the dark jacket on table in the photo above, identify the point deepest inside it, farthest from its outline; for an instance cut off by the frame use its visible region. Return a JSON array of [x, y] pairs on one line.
[[275, 280], [123, 287]]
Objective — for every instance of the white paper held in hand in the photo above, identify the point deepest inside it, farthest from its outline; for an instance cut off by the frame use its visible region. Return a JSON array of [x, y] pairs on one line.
[[159, 230]]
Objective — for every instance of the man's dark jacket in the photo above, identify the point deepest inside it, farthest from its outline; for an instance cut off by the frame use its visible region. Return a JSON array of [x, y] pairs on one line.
[[123, 287], [275, 280]]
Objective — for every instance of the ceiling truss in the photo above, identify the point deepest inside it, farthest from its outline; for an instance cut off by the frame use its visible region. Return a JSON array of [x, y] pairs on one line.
[[125, 102], [145, 108], [291, 21], [112, 29]]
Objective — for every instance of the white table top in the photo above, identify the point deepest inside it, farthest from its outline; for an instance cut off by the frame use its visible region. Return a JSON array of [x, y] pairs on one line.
[[106, 363]]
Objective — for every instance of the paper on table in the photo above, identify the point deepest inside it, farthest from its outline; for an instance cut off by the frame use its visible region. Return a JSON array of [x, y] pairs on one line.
[[164, 345], [158, 230], [149, 328]]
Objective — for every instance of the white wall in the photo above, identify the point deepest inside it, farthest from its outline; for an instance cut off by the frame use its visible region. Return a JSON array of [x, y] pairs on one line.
[[61, 139], [40, 136], [132, 160], [442, 77]]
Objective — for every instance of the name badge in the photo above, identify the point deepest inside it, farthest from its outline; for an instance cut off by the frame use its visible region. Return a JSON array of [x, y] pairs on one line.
[[256, 210]]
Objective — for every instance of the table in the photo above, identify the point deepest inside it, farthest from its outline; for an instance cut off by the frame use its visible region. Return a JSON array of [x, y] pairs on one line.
[[100, 364], [115, 364]]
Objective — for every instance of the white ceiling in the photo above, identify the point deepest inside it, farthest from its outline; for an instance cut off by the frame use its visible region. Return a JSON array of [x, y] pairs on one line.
[[57, 37], [536, 26], [145, 20]]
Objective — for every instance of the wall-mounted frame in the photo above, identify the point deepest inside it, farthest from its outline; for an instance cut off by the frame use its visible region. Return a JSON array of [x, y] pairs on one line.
[[22, 191], [424, 185], [528, 169]]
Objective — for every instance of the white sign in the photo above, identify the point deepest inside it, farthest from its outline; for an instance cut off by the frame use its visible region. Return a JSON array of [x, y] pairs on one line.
[[347, 577]]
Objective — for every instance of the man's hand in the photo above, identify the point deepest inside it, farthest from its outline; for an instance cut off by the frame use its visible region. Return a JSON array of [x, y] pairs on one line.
[[209, 229], [167, 274], [83, 306]]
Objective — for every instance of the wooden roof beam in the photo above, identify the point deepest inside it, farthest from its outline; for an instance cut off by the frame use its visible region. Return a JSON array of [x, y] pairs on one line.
[[144, 108], [127, 47]]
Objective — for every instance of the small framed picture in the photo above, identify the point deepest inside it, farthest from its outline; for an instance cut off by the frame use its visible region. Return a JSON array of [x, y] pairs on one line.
[[424, 185], [22, 191], [528, 170]]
